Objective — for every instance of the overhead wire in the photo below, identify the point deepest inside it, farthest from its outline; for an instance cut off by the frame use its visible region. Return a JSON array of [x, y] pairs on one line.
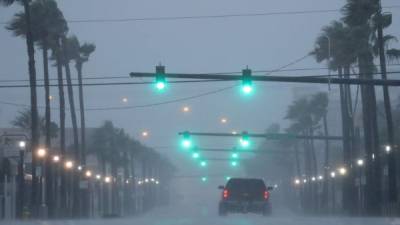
[[216, 16], [118, 77]]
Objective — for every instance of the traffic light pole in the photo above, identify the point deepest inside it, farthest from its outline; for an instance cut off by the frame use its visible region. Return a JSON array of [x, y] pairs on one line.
[[270, 136], [286, 79]]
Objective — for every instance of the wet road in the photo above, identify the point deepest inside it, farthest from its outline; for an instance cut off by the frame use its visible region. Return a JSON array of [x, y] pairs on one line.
[[206, 215]]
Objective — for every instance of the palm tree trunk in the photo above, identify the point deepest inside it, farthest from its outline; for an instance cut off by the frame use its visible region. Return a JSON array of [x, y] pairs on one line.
[[314, 171], [113, 186], [392, 176], [63, 190], [49, 181], [347, 195], [325, 194], [297, 159], [34, 111], [75, 179], [82, 114], [373, 170]]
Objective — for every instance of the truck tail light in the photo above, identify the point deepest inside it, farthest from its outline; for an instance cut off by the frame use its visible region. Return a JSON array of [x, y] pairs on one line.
[[266, 195], [225, 194]]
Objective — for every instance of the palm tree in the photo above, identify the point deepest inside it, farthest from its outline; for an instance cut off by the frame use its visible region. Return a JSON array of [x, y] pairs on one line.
[[85, 51], [300, 115], [381, 41], [357, 15], [70, 48], [57, 56], [320, 103], [24, 121], [46, 22], [32, 82], [342, 57]]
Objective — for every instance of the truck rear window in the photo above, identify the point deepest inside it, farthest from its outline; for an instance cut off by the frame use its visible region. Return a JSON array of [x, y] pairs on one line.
[[246, 185]]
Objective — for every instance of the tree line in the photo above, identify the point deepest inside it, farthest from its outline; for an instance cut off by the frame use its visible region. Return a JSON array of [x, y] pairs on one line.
[[42, 24]]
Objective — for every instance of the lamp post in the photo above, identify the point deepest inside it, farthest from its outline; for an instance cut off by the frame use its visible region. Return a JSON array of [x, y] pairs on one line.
[[360, 164], [41, 154], [21, 179]]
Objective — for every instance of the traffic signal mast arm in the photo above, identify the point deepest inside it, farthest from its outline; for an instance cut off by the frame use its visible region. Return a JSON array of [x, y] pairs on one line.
[[289, 79], [270, 136]]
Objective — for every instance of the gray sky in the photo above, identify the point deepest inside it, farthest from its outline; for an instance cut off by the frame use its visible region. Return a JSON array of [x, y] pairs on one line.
[[193, 46]]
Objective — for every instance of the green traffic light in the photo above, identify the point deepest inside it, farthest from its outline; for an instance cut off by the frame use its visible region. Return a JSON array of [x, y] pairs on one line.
[[234, 163], [235, 155], [247, 84], [245, 140], [195, 155], [186, 144], [160, 85], [187, 141], [160, 78], [203, 163], [204, 179], [244, 143], [227, 178], [247, 89]]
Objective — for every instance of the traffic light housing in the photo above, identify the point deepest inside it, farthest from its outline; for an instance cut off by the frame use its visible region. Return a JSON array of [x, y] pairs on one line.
[[161, 83], [247, 83], [187, 140], [235, 154], [234, 163], [245, 140], [195, 154]]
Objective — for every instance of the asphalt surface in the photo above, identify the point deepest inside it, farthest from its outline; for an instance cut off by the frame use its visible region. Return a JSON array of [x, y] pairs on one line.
[[201, 214]]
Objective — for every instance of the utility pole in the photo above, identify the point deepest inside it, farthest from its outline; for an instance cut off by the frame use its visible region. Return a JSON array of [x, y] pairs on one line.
[[392, 182]]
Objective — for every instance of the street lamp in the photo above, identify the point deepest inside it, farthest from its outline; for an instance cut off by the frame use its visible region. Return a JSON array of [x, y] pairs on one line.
[[313, 178], [224, 120], [320, 177], [296, 181], [360, 162], [56, 158], [186, 109], [305, 181], [333, 174], [388, 149], [79, 168], [69, 164], [98, 176], [107, 179], [145, 133], [22, 145], [41, 153], [88, 173], [342, 171]]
